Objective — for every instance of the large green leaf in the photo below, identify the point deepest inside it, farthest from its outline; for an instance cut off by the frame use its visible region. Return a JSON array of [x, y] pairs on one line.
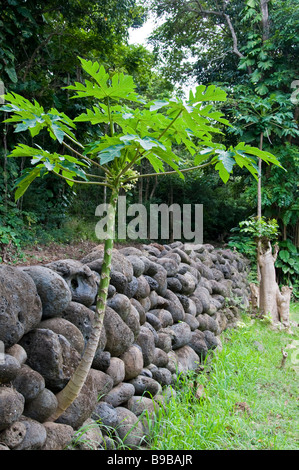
[[110, 153]]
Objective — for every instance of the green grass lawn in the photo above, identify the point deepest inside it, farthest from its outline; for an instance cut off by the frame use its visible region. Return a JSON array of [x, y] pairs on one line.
[[248, 401]]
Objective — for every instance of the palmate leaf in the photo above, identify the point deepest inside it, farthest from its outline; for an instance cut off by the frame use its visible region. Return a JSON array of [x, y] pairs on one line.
[[147, 142], [23, 182], [45, 161], [110, 153], [32, 117], [267, 157], [119, 86], [210, 93]]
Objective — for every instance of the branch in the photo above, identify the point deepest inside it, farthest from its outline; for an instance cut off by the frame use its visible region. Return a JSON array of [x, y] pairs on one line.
[[172, 172], [84, 157], [234, 36], [83, 182], [142, 154], [222, 14]]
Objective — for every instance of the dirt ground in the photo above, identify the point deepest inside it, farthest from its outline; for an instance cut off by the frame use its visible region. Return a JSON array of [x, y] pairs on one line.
[[42, 254]]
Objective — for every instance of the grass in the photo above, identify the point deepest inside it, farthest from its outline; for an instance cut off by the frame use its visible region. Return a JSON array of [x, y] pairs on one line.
[[246, 400]]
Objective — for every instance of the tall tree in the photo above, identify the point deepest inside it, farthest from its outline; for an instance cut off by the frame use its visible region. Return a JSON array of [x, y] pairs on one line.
[[146, 132]]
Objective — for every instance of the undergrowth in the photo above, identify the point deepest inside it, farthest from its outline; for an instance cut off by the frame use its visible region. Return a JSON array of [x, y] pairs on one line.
[[243, 399]]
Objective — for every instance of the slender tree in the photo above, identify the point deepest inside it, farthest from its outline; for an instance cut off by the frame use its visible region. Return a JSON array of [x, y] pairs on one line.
[[143, 131]]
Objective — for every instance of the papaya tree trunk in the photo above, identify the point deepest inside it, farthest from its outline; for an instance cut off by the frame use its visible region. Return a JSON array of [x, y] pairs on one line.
[[66, 396]]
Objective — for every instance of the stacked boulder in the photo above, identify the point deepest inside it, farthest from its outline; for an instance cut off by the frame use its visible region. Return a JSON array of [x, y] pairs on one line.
[[167, 307]]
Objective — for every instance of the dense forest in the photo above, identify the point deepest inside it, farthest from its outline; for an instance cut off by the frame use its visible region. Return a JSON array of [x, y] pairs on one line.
[[248, 48]]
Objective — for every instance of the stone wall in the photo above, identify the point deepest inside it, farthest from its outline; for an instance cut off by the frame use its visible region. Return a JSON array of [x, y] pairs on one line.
[[167, 307]]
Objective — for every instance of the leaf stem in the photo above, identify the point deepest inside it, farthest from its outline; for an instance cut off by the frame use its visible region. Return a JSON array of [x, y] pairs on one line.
[[89, 160], [172, 172], [83, 182]]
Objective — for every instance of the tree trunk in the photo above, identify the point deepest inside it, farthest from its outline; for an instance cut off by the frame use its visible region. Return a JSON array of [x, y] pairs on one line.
[[254, 297], [283, 305], [71, 391], [259, 185], [268, 286], [271, 300]]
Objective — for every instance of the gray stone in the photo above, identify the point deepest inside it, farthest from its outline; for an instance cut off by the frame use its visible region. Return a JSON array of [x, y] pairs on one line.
[[140, 309], [174, 284], [119, 262], [164, 341], [145, 303], [174, 307], [162, 375], [13, 435], [91, 437], [181, 334], [35, 436], [145, 386], [9, 368], [121, 304], [161, 358], [205, 322], [116, 370], [52, 356], [53, 290], [203, 294], [20, 305], [153, 320], [133, 361], [140, 405], [198, 305], [18, 353], [42, 406], [131, 288], [119, 394], [67, 329], [137, 263], [146, 341], [82, 282], [59, 436], [188, 283], [129, 429], [119, 336], [81, 316], [187, 358], [143, 289], [164, 316], [133, 322], [198, 343], [29, 382], [101, 360], [11, 406], [161, 278], [210, 339], [130, 251], [192, 321], [106, 414], [119, 281], [169, 264]]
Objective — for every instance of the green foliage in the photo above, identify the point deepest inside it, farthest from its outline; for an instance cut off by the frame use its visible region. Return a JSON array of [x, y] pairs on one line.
[[148, 131], [259, 228], [235, 402], [13, 225]]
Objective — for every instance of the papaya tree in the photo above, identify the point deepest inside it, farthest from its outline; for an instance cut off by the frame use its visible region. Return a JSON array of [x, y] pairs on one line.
[[130, 130]]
